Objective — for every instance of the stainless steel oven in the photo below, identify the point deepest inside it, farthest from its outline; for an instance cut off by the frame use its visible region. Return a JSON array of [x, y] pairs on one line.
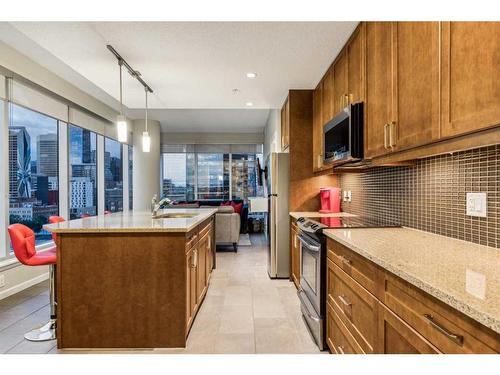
[[312, 285]]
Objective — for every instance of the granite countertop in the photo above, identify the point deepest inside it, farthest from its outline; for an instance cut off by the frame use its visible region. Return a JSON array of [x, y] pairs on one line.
[[134, 221], [462, 274], [296, 215]]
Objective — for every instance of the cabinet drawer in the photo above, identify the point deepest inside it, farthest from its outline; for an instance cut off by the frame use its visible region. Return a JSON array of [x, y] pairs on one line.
[[441, 325], [339, 340], [355, 306], [397, 337], [205, 228], [356, 266]]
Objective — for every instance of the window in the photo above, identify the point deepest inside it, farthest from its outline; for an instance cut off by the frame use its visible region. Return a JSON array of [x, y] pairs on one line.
[[83, 172], [33, 170], [243, 176], [113, 176], [178, 176], [213, 176], [130, 177]]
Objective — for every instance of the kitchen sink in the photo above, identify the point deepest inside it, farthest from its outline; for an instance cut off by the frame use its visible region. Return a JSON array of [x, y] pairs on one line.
[[172, 215]]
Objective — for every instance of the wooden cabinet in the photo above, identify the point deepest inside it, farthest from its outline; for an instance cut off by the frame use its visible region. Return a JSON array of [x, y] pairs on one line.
[[415, 113], [378, 100], [370, 310], [328, 93], [199, 265], [318, 129], [355, 55], [285, 125], [340, 90], [294, 254], [397, 337], [470, 87]]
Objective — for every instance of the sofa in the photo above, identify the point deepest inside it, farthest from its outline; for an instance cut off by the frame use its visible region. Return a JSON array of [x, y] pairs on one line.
[[217, 202], [227, 227]]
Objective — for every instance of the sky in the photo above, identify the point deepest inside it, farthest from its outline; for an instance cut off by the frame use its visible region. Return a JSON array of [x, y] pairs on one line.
[[35, 123]]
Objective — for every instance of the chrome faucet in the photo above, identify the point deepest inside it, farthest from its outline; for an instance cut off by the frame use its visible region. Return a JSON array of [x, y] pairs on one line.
[[155, 206]]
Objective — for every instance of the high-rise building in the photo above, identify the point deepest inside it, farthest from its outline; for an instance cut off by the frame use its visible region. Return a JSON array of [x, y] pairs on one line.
[[86, 147], [82, 192], [47, 155], [19, 162]]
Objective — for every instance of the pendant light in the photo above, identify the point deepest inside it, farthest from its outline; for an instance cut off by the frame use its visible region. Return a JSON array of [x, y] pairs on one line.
[[121, 121], [146, 139]]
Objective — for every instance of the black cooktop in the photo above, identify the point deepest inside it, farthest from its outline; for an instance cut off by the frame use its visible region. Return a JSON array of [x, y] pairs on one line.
[[313, 224]]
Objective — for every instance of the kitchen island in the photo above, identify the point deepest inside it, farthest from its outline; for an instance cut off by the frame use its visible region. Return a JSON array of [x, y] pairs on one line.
[[130, 280]]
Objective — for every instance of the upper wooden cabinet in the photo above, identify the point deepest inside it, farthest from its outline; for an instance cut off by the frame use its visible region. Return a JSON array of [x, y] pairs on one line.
[[470, 56], [379, 87], [317, 129], [402, 86], [327, 89], [355, 52], [340, 90], [415, 119], [285, 125]]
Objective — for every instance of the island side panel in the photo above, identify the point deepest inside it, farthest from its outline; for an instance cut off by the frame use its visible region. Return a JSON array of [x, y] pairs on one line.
[[121, 290]]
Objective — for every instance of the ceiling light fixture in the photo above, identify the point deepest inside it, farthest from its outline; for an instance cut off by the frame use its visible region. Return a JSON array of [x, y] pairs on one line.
[[146, 139], [249, 104], [251, 75], [121, 121]]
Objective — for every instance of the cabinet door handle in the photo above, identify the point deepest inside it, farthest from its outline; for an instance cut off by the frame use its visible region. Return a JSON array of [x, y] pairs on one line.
[[345, 260], [347, 308], [344, 301], [194, 260], [319, 160], [340, 348], [386, 142], [392, 130], [457, 339]]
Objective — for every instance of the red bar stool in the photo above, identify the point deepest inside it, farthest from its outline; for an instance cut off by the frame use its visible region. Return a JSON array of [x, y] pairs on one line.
[[23, 243], [107, 212]]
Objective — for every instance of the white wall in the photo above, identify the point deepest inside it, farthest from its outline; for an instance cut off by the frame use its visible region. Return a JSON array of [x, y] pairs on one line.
[[272, 133], [20, 277], [146, 165], [212, 138]]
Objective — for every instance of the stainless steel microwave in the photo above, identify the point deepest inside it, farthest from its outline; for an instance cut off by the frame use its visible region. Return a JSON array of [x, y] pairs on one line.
[[343, 136]]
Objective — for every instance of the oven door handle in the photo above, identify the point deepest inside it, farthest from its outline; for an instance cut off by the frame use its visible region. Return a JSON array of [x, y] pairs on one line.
[[300, 292], [309, 245]]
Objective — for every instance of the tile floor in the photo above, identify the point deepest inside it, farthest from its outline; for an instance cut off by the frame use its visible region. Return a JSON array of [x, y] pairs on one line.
[[244, 312]]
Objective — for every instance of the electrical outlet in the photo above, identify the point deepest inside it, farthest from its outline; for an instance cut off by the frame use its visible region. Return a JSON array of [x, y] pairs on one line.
[[2, 281], [345, 195], [476, 204], [349, 196]]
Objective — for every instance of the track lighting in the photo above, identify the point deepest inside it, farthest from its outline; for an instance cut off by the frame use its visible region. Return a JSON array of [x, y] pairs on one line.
[[146, 139], [121, 121]]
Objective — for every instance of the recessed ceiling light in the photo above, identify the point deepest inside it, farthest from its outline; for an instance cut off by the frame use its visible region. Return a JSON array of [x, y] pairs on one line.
[[251, 75], [249, 104]]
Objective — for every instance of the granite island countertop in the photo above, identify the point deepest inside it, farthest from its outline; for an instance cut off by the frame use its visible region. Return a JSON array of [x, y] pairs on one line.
[[464, 275], [298, 214], [135, 221]]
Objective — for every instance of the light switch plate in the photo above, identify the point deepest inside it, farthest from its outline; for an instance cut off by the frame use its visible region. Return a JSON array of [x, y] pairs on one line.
[[476, 204]]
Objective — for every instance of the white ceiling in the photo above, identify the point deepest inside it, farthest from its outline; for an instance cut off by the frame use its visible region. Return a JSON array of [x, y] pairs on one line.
[[189, 65]]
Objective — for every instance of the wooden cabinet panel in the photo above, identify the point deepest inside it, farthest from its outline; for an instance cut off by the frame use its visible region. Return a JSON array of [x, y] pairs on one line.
[[470, 71], [285, 125], [338, 337], [415, 119], [397, 337], [317, 129], [327, 108], [339, 82], [355, 65], [379, 87], [356, 266], [442, 326], [356, 307], [201, 268], [295, 254]]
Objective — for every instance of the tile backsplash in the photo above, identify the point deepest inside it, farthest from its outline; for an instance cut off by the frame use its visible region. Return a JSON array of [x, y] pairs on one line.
[[431, 195]]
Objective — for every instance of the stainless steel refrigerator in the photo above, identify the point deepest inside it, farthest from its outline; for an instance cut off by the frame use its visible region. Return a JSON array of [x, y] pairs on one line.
[[278, 218]]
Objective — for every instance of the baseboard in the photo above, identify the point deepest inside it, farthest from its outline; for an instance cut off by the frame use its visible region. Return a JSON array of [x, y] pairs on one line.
[[24, 285]]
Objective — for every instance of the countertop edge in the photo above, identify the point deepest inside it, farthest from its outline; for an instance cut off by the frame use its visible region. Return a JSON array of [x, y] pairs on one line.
[[480, 316], [201, 219]]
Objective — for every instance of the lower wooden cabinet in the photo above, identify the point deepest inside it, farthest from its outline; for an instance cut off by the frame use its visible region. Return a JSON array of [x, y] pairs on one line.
[[295, 254], [370, 310], [199, 264], [396, 337]]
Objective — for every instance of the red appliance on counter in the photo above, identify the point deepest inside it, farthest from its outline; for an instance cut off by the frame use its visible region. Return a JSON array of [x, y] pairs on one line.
[[330, 199]]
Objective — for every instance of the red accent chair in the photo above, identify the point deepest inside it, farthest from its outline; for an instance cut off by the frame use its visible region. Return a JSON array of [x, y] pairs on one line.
[[55, 220], [23, 244]]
